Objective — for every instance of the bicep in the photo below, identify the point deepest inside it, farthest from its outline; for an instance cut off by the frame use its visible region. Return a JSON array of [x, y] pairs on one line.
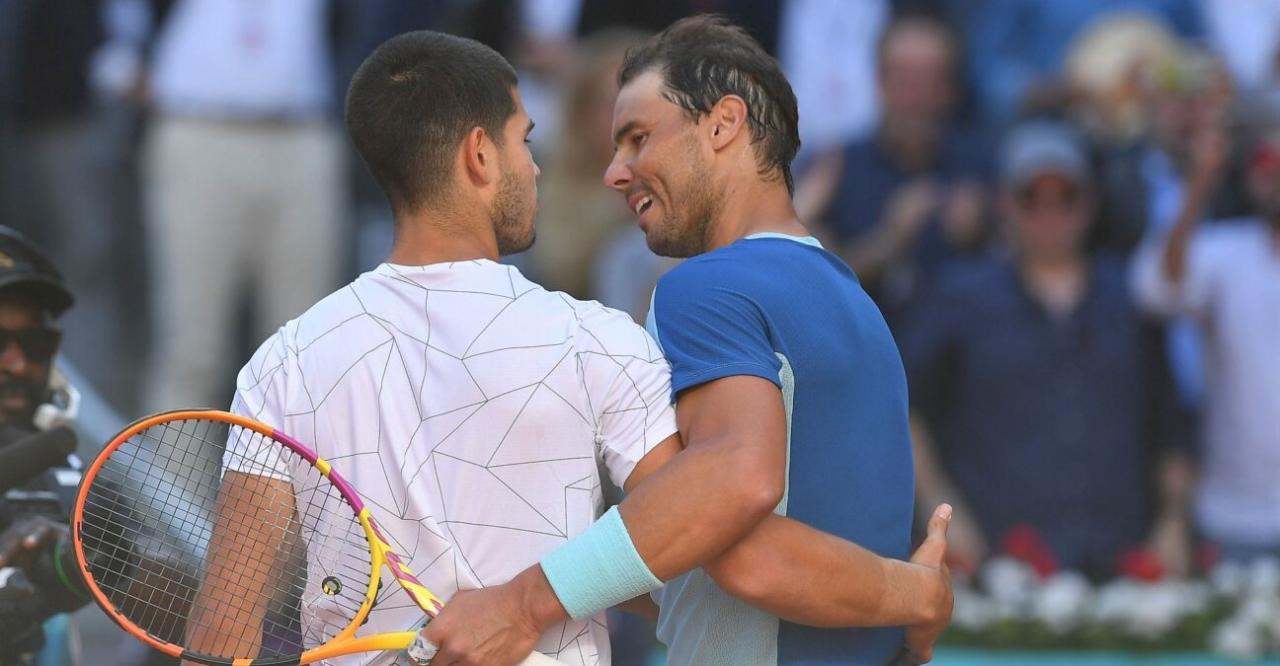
[[653, 460], [743, 413]]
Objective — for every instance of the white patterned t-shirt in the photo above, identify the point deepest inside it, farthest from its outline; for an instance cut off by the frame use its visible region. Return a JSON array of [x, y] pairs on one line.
[[473, 411]]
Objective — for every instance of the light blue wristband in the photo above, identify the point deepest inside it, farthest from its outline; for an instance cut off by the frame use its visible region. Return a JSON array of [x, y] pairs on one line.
[[598, 569]]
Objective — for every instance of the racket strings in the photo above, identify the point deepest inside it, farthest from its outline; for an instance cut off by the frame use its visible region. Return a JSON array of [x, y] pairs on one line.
[[244, 569]]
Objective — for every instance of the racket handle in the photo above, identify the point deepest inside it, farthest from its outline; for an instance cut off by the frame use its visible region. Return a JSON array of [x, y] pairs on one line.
[[419, 648]]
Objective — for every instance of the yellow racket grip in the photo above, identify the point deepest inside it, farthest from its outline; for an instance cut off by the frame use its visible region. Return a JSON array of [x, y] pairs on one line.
[[397, 641]]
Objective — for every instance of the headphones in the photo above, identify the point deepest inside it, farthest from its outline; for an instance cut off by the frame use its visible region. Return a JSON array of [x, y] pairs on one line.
[[62, 406]]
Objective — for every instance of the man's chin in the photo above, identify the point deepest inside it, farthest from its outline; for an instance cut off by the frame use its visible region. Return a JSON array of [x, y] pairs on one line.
[[17, 417], [516, 247], [667, 247]]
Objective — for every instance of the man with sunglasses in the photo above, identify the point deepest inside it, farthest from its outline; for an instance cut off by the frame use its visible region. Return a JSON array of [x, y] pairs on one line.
[[32, 527], [1039, 396]]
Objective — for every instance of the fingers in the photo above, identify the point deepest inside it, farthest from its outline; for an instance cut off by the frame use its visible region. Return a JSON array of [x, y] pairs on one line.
[[933, 552], [939, 521]]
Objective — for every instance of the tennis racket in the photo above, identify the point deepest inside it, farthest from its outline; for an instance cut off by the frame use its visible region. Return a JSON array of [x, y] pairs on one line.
[[220, 540]]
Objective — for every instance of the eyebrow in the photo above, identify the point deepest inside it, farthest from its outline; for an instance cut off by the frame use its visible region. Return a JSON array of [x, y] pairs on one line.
[[624, 130]]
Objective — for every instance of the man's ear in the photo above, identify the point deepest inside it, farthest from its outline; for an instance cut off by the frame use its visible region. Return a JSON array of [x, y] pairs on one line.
[[479, 156], [728, 119]]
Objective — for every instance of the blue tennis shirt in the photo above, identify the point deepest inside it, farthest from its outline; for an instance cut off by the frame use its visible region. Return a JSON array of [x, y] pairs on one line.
[[784, 309]]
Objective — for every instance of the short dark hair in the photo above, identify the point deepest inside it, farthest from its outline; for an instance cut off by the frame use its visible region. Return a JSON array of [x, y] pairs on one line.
[[702, 59], [412, 102]]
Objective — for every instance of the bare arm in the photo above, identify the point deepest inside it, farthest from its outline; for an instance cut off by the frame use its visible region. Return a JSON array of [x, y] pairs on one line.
[[810, 577], [1208, 154], [240, 566], [1171, 535], [729, 478], [807, 576]]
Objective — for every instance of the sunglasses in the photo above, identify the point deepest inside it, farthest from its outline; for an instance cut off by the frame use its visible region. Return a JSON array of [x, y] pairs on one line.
[[39, 344], [1029, 198]]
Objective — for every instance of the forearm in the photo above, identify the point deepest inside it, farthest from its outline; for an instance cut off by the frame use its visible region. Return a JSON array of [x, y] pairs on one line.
[[694, 508], [1173, 260], [809, 577], [227, 612], [1176, 478], [730, 476]]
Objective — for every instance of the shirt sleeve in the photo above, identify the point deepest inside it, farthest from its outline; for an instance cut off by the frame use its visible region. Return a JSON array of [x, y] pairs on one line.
[[628, 384], [1191, 295], [260, 395], [709, 329]]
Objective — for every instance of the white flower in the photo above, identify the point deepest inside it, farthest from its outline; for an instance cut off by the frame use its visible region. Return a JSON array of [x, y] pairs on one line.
[[972, 611], [1010, 582], [1264, 575], [1116, 600], [1062, 601], [1229, 579], [1236, 640], [1156, 610]]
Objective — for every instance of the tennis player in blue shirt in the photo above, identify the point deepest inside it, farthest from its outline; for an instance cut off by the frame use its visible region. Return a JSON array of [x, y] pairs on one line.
[[786, 380]]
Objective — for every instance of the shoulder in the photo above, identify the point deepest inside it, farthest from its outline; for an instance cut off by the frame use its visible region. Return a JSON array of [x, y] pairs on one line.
[[613, 332]]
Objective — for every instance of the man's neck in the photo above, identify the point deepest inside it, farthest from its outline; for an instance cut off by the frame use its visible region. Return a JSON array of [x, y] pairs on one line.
[[437, 237], [1056, 281], [754, 209]]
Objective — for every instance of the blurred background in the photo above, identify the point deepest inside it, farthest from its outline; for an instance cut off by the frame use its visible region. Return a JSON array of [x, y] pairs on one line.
[[1003, 176]]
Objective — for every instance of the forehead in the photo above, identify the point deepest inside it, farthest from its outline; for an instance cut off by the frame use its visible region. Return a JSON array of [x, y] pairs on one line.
[[642, 101], [18, 313]]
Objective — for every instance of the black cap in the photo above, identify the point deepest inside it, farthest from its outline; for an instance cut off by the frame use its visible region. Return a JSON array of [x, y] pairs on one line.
[[21, 265]]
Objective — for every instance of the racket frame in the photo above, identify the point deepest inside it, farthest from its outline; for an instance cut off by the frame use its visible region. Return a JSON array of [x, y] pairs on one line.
[[380, 552]]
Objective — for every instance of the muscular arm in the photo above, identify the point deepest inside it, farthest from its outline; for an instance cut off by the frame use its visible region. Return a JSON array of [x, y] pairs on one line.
[[807, 576], [728, 479], [240, 567]]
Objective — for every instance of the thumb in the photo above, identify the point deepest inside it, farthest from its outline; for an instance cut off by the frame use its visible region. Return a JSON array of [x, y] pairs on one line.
[[933, 552]]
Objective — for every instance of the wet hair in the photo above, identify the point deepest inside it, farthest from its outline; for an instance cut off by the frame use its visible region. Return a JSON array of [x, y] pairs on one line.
[[704, 58]]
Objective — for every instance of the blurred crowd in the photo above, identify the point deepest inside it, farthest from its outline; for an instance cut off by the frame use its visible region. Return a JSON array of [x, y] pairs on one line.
[[1069, 213]]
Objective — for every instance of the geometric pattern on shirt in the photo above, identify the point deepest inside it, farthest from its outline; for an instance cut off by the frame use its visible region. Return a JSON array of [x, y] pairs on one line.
[[471, 409]]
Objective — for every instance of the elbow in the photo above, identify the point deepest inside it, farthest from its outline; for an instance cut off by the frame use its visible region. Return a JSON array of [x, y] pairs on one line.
[[745, 573], [759, 489]]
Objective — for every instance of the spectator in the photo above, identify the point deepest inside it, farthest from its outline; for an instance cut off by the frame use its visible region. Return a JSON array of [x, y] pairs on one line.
[[913, 193], [828, 50], [34, 396], [244, 183], [576, 212], [1040, 396], [1017, 47], [1247, 35], [61, 158], [1227, 278]]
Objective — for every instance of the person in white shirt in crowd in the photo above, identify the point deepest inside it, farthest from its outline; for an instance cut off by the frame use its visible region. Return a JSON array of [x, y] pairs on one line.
[[1226, 277], [244, 182]]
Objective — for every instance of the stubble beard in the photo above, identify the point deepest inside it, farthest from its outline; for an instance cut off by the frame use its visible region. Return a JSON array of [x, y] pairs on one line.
[[510, 210], [683, 230]]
